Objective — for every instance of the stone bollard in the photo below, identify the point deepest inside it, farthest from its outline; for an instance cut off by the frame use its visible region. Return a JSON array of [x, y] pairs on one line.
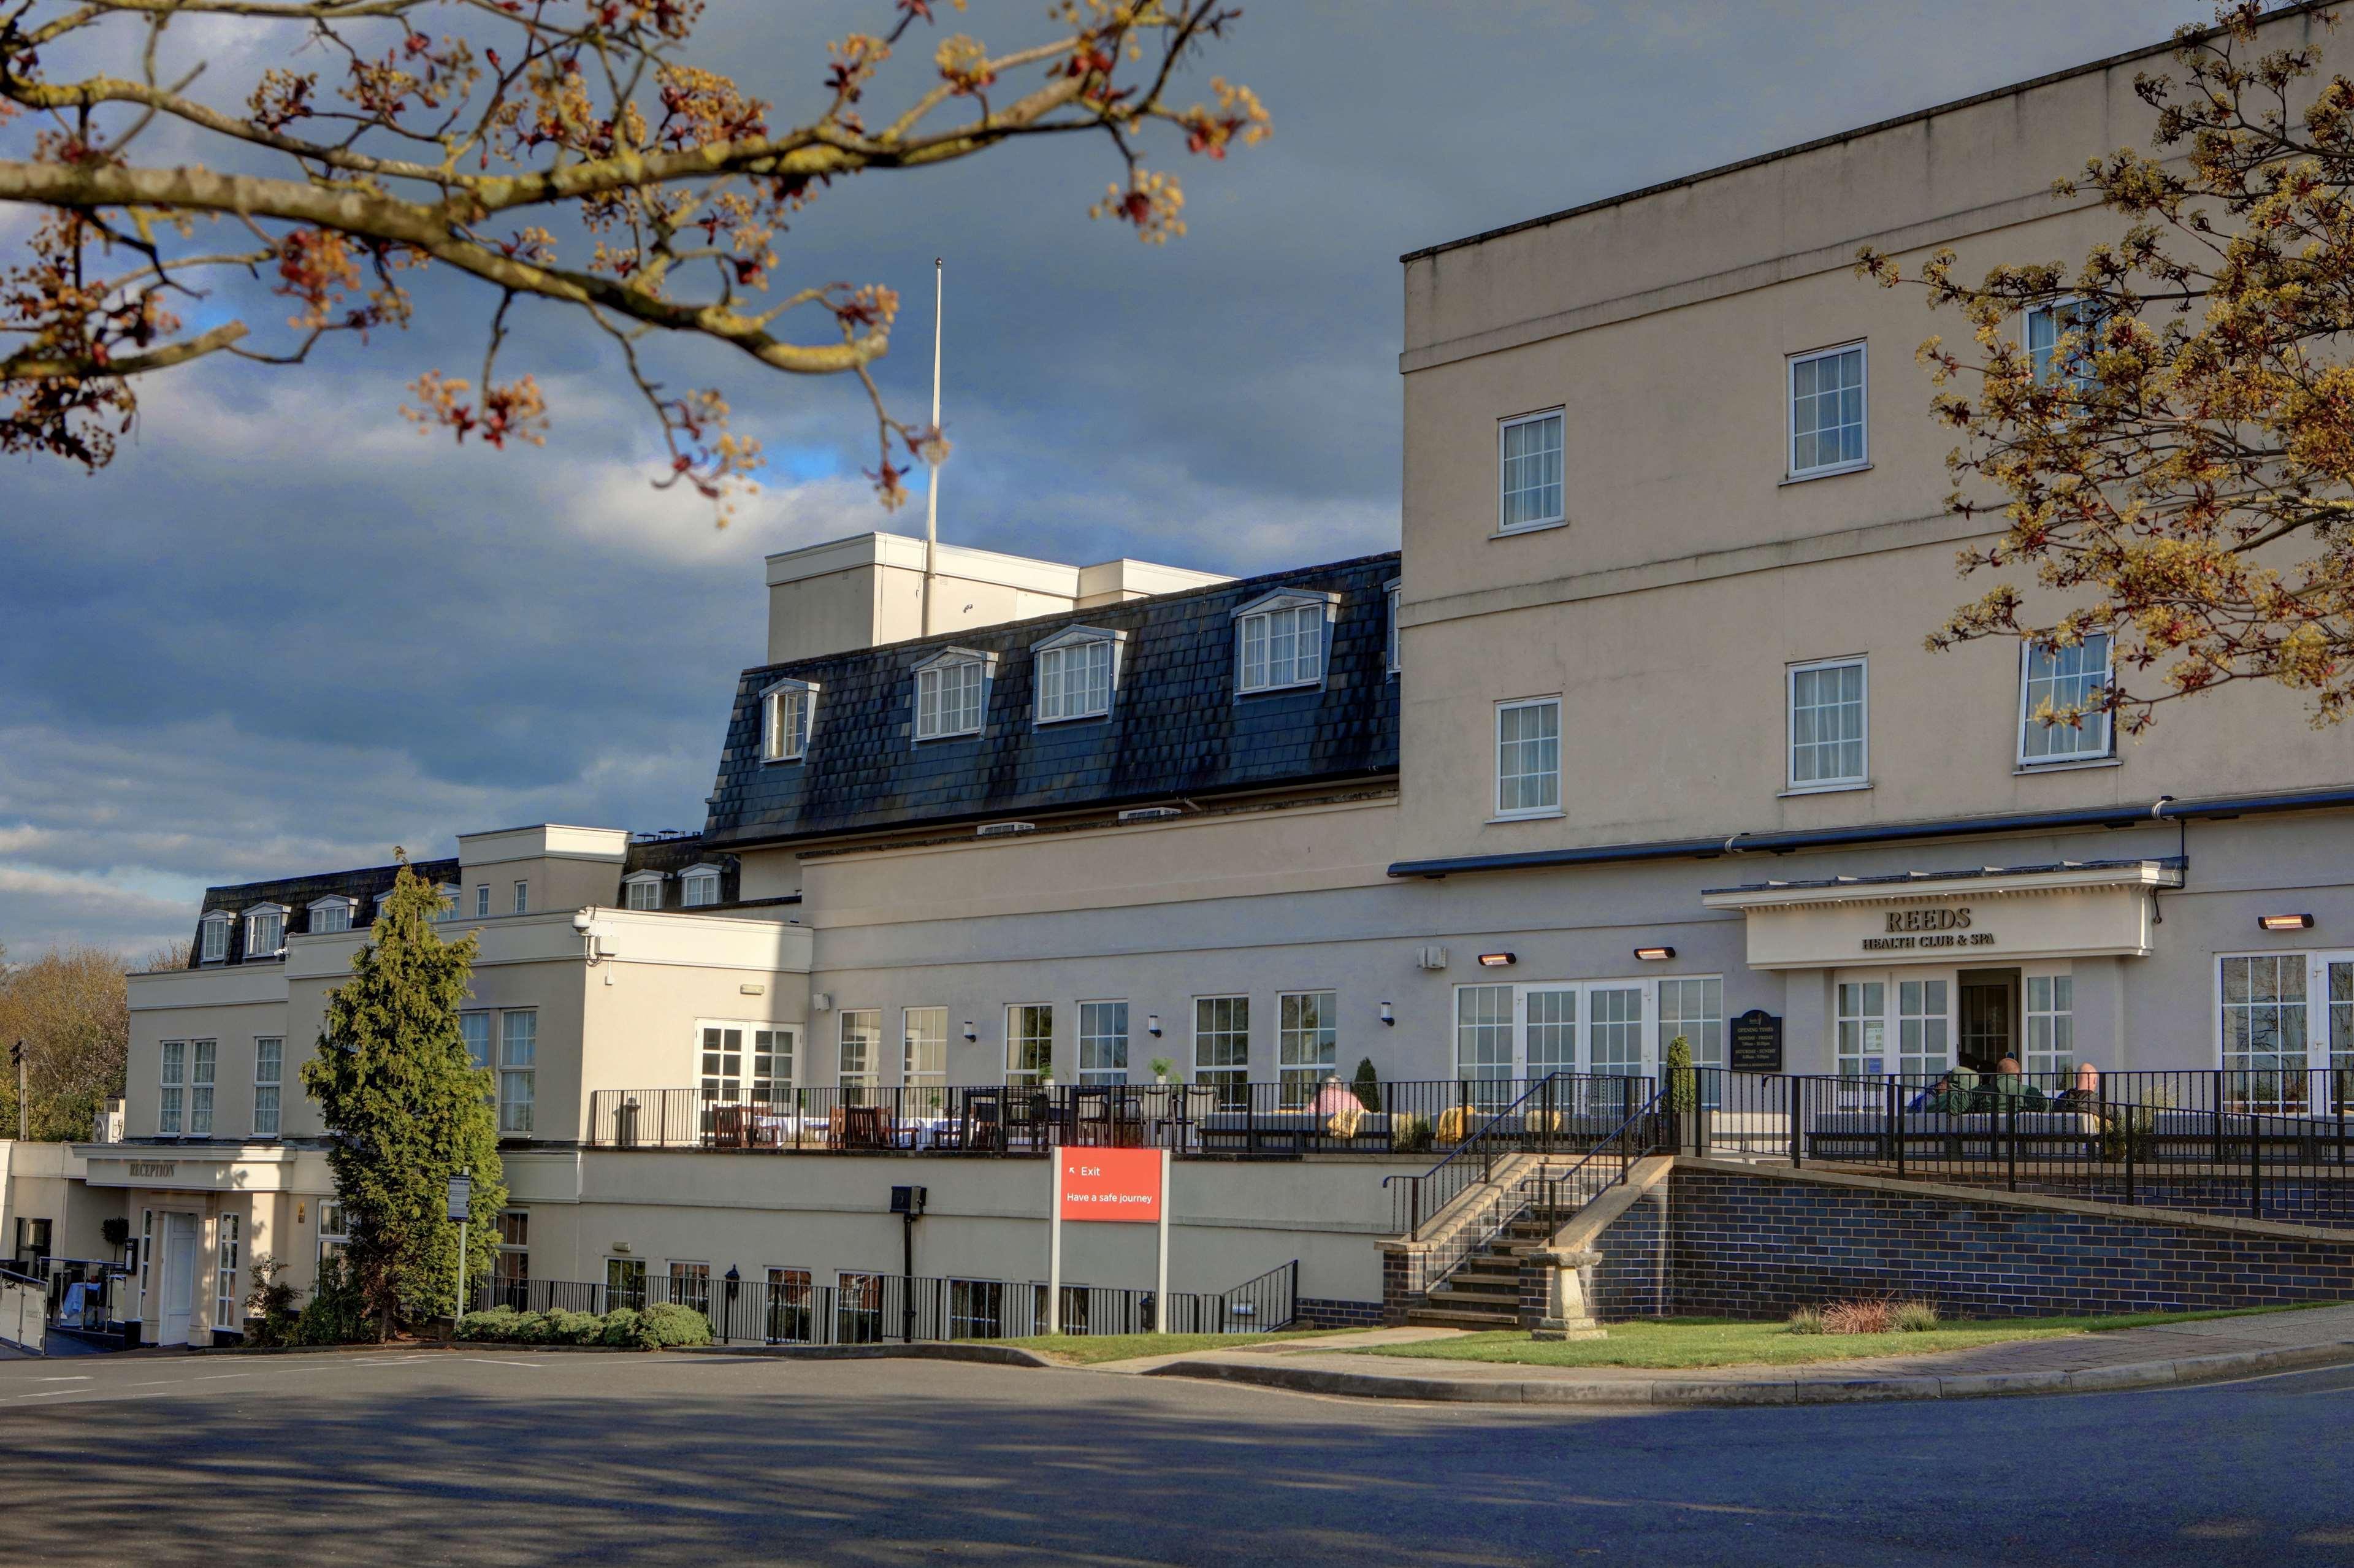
[[1569, 1314]]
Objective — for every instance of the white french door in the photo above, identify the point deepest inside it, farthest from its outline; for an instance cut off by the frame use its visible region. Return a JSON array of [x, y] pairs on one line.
[[176, 1316]]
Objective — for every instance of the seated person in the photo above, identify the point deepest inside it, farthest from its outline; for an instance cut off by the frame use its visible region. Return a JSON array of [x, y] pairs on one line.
[[2010, 1081], [1935, 1097], [2084, 1094]]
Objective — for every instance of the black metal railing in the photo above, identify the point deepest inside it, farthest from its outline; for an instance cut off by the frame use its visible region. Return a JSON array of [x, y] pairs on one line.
[[894, 1308], [2267, 1142], [1288, 1118], [1551, 1192], [1562, 1113]]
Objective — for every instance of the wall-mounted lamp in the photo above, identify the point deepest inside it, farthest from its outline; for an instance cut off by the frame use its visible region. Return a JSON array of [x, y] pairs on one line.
[[1499, 960], [1387, 1016], [1152, 1024], [2285, 921], [1655, 955], [969, 1035]]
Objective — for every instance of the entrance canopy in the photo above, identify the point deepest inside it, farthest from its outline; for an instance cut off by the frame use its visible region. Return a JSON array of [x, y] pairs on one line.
[[1989, 915]]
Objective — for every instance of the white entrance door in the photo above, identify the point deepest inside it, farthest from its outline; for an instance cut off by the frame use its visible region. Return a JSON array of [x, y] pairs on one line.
[[179, 1283]]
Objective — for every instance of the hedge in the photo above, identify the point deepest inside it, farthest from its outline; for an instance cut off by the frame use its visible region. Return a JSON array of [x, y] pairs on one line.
[[659, 1325]]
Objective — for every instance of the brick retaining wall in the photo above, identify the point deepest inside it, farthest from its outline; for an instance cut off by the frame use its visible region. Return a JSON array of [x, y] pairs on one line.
[[1758, 1246], [1325, 1312]]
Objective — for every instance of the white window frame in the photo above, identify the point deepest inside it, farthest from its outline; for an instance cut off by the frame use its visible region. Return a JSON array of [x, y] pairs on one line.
[[170, 1088], [518, 1071], [702, 873], [1790, 674], [721, 1046], [924, 1057], [649, 882], [212, 936], [2083, 376], [350, 907], [1104, 1033], [255, 916], [453, 894], [522, 898], [2317, 962], [1560, 515], [1496, 753], [204, 1086], [785, 726], [1298, 1076], [1792, 472], [2108, 746], [1512, 1020], [862, 1075], [1392, 655], [1058, 651], [1305, 609], [772, 1046], [933, 669], [483, 901], [228, 1261], [1232, 1076], [2055, 990], [271, 1076], [467, 1021], [1016, 1072]]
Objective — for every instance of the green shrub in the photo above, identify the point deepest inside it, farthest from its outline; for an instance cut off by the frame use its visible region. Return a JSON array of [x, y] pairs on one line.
[[624, 1325], [667, 1323], [270, 1315], [1410, 1134], [574, 1328], [1368, 1086], [1914, 1317], [528, 1329], [335, 1314], [1683, 1083], [1806, 1321], [498, 1323]]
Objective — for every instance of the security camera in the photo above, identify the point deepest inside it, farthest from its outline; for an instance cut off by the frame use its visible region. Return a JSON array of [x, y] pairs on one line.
[[582, 921]]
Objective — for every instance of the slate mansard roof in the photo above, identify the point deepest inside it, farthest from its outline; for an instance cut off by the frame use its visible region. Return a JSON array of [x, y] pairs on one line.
[[1176, 725], [297, 894], [669, 854]]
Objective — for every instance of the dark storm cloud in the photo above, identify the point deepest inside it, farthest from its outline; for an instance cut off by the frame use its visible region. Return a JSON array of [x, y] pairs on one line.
[[284, 632]]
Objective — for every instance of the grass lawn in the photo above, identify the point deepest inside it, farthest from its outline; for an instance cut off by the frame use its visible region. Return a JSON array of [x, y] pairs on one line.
[[1724, 1342], [1086, 1349]]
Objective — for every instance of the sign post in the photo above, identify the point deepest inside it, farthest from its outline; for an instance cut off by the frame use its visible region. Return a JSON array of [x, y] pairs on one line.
[[462, 1202], [1127, 1186]]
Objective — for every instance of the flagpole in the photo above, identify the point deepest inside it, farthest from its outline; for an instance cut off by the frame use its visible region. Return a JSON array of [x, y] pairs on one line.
[[932, 494]]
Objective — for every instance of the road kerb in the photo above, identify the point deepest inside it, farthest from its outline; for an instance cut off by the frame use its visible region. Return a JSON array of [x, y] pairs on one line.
[[1781, 1390]]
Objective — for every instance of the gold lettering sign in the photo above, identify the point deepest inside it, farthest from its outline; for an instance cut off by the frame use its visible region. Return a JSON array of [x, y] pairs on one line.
[[1954, 919], [1931, 930], [151, 1168]]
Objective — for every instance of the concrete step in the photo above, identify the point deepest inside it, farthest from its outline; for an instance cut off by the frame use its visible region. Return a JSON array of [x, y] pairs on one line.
[[1459, 1318], [1483, 1290]]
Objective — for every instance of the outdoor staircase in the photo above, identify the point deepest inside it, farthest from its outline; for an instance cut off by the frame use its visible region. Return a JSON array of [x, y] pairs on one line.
[[1485, 1292]]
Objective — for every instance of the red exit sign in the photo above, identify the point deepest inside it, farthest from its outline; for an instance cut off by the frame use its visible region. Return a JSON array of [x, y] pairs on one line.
[[1108, 1183]]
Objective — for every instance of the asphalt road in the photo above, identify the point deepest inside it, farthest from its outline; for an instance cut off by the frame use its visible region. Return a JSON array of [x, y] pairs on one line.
[[511, 1456]]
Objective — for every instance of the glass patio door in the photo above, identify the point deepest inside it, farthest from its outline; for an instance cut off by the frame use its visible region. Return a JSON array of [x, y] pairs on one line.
[[1550, 1028], [2337, 1032]]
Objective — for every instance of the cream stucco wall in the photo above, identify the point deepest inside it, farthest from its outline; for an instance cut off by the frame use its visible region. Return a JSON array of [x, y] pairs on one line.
[[1690, 573]]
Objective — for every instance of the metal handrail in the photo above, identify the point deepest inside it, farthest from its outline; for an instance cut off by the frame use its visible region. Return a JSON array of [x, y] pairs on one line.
[[1485, 1142]]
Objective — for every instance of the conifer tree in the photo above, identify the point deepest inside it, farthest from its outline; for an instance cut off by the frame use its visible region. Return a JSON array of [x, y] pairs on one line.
[[406, 1109]]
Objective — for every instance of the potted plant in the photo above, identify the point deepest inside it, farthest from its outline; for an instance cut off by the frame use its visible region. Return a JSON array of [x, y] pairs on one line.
[[1161, 1066], [1688, 1118], [1368, 1086]]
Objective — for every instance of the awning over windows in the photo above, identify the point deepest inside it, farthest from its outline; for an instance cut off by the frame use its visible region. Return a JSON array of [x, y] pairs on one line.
[[1991, 915]]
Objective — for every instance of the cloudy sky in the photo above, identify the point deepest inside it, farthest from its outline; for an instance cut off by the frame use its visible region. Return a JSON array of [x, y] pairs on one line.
[[285, 632]]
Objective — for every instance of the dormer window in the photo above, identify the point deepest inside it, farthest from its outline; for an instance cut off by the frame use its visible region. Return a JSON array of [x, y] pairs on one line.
[[787, 711], [329, 916], [1076, 673], [642, 890], [1389, 592], [950, 688], [212, 944], [1280, 641], [698, 885], [265, 931]]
